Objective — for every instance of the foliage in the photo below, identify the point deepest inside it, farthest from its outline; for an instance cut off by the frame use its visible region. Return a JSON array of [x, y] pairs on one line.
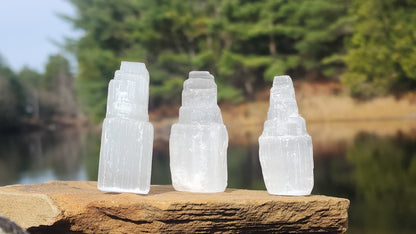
[[382, 52], [243, 43], [11, 97], [36, 99], [58, 84], [29, 77]]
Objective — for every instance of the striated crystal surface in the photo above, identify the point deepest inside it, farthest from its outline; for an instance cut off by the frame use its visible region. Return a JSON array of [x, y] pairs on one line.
[[285, 147], [127, 136], [198, 142]]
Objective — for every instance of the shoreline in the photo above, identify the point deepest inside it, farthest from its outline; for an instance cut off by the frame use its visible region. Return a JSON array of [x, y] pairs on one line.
[[322, 104]]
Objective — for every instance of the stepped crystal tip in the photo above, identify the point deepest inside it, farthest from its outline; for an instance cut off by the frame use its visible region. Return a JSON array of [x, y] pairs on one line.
[[133, 67], [200, 74], [282, 81]]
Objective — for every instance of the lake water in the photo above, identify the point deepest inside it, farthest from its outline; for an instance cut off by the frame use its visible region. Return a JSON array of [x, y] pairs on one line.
[[374, 167]]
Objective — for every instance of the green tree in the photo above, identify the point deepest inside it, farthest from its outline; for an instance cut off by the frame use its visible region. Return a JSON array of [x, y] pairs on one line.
[[267, 38], [29, 77], [243, 43], [107, 36], [12, 99], [58, 88], [382, 51], [31, 98], [30, 80]]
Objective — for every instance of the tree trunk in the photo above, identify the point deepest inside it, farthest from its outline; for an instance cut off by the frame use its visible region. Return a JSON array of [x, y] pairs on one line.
[[36, 106], [209, 42], [248, 86], [272, 45], [191, 51], [228, 41]]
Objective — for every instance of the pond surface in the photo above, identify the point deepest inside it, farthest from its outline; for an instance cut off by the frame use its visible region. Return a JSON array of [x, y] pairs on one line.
[[376, 170]]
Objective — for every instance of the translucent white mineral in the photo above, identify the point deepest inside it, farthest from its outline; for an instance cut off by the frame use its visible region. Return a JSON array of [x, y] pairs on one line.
[[127, 136], [286, 155], [198, 142]]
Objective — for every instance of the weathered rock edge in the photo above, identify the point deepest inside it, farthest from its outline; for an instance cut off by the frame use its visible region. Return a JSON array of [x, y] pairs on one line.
[[66, 206]]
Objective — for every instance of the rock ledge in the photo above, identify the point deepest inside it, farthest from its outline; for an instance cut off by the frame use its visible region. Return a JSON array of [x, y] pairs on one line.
[[65, 206]]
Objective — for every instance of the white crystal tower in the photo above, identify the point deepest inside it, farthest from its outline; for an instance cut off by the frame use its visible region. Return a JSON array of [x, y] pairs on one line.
[[198, 142], [286, 155], [127, 136]]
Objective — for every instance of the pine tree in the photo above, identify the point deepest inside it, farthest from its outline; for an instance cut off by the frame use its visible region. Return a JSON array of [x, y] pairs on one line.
[[382, 52]]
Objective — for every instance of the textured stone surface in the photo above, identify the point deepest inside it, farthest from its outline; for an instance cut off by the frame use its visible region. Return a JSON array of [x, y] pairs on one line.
[[80, 206]]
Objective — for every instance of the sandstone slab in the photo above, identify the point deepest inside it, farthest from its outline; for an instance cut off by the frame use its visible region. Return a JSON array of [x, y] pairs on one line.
[[74, 206]]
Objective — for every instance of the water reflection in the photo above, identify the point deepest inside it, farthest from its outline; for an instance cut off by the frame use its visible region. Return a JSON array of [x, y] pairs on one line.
[[385, 182], [244, 169], [40, 157], [377, 173]]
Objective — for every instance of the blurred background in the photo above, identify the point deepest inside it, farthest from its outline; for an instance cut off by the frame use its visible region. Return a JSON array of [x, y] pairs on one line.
[[353, 64]]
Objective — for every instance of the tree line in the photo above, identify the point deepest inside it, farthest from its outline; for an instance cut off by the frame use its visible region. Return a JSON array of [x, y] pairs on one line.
[[29, 99], [369, 45]]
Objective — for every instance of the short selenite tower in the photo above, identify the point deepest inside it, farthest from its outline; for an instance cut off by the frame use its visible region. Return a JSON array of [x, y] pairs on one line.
[[198, 142], [285, 147]]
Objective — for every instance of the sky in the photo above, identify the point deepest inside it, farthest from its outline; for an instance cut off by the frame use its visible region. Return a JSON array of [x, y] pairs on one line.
[[28, 29]]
